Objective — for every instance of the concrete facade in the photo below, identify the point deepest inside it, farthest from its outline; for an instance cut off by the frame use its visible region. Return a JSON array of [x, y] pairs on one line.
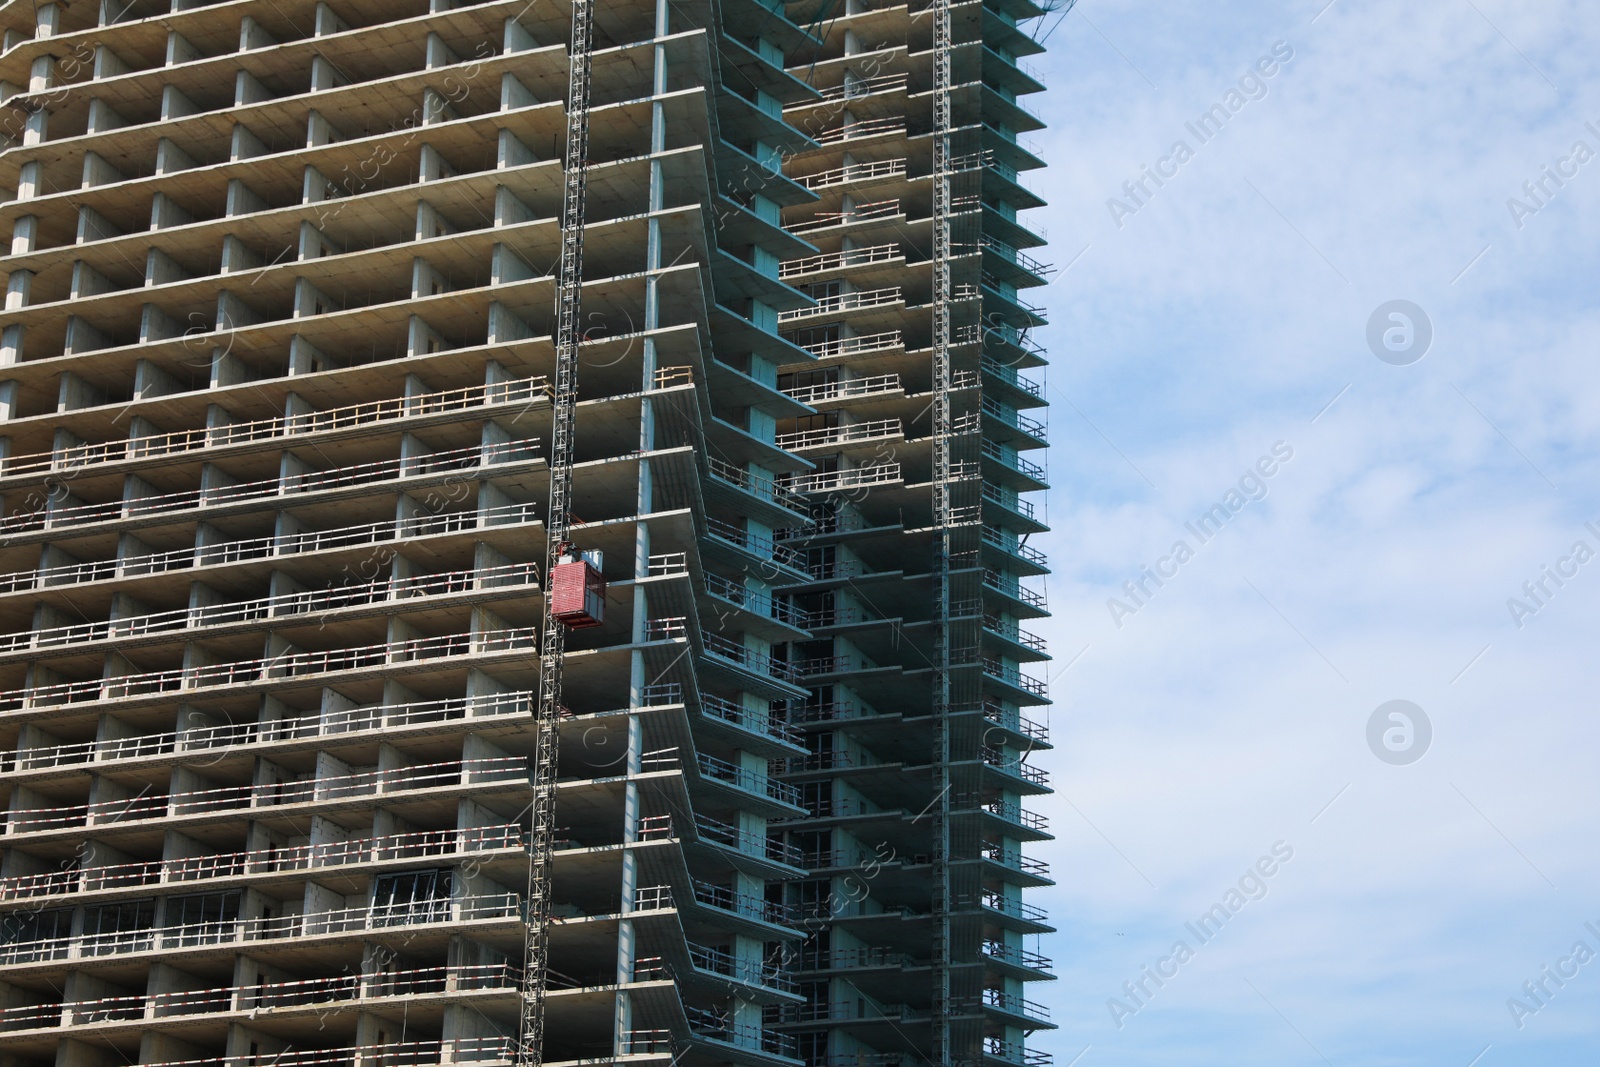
[[275, 369]]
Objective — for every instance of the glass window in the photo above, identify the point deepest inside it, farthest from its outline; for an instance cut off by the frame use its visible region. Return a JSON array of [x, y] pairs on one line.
[[36, 935], [411, 897], [203, 918], [121, 927]]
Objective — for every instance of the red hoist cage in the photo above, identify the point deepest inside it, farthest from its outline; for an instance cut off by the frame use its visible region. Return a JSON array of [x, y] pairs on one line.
[[577, 592]]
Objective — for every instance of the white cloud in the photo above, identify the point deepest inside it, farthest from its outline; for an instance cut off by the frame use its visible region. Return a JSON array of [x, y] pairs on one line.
[[1220, 719]]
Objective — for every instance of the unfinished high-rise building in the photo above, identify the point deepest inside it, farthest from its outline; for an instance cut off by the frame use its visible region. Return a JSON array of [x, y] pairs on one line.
[[338, 335]]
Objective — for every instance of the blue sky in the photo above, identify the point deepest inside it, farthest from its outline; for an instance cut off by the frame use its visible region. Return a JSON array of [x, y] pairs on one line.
[[1230, 710]]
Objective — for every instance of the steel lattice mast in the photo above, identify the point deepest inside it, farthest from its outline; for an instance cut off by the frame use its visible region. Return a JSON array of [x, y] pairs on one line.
[[552, 647], [943, 517]]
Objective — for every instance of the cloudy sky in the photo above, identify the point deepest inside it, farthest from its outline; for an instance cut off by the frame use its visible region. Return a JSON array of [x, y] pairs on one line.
[[1224, 314]]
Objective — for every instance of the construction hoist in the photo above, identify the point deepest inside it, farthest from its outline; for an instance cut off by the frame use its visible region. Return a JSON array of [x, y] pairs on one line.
[[574, 589]]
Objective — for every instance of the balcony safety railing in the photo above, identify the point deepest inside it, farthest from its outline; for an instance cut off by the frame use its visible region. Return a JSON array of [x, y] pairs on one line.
[[672, 377], [841, 435], [996, 712], [713, 1025], [757, 601], [851, 131], [748, 972], [849, 478], [1000, 760], [999, 333], [275, 860], [754, 543], [422, 525], [751, 844], [847, 389], [742, 904], [765, 488], [1013, 418], [841, 1010], [300, 603], [859, 345], [1017, 957], [1012, 632], [1015, 1052], [662, 564], [1010, 501], [244, 798], [1010, 857], [832, 261], [456, 1050], [1015, 907], [1014, 255], [748, 780], [995, 539], [831, 959], [995, 451], [758, 662], [1008, 374], [276, 928], [997, 670], [77, 457], [875, 209], [834, 305], [667, 628], [824, 711], [1015, 813], [855, 174], [860, 87], [1012, 588], [431, 981], [769, 724], [278, 668], [358, 474], [289, 728]]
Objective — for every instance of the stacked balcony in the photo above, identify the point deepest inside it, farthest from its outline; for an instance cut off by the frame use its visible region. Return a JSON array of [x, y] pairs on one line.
[[274, 381], [871, 711]]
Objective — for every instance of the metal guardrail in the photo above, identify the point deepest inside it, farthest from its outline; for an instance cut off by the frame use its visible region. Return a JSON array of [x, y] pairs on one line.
[[299, 603], [76, 458], [833, 305], [276, 668], [422, 844], [881, 170], [847, 388], [242, 798], [310, 481], [275, 928], [432, 981], [268, 547]]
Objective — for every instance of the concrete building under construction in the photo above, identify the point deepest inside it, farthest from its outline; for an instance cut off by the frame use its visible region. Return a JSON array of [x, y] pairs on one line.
[[338, 334]]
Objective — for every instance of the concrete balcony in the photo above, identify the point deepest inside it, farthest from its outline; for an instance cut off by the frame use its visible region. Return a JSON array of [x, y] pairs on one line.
[[856, 174], [227, 936], [998, 760], [352, 991], [263, 548], [509, 579], [849, 388], [1011, 958], [1022, 869], [251, 800], [239, 496], [147, 451], [743, 1043], [298, 666], [234, 867]]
